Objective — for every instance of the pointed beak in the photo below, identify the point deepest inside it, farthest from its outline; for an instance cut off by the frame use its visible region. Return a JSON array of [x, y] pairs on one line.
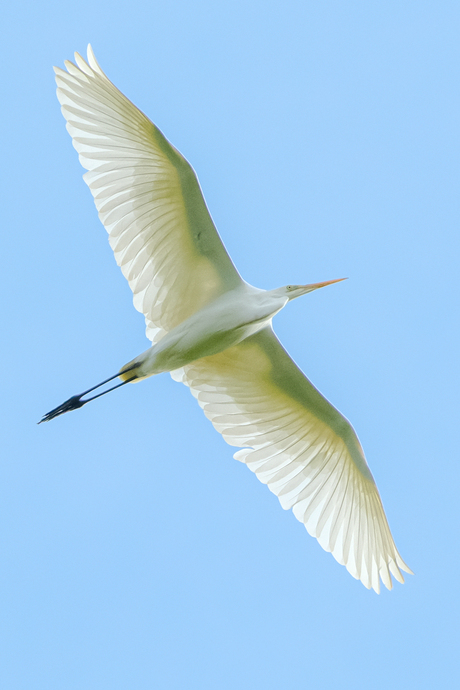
[[315, 286]]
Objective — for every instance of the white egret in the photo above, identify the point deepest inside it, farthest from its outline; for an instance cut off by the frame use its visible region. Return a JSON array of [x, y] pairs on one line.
[[213, 331]]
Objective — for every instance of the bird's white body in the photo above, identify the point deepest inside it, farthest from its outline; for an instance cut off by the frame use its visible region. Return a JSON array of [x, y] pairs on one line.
[[222, 323], [213, 331]]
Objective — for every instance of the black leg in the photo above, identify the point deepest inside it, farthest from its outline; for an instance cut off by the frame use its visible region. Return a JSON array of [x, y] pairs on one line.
[[75, 401]]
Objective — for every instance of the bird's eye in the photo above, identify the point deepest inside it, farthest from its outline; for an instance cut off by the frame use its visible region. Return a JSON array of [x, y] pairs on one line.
[[290, 287]]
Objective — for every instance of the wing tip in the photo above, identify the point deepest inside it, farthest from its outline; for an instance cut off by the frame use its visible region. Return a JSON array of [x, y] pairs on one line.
[[92, 62], [89, 67]]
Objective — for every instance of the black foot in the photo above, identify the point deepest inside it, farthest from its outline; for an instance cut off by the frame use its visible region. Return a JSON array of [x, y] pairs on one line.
[[72, 403]]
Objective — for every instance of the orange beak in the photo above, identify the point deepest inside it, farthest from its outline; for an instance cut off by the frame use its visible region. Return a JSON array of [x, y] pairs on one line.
[[315, 286]]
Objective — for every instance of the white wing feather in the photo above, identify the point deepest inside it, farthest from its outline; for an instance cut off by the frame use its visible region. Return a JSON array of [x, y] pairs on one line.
[[148, 199], [298, 444]]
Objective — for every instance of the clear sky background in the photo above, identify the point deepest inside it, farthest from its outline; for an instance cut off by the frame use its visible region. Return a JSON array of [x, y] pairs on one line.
[[135, 553]]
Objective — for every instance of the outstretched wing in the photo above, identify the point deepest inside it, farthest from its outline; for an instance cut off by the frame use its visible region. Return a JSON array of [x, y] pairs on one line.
[[148, 198], [301, 447]]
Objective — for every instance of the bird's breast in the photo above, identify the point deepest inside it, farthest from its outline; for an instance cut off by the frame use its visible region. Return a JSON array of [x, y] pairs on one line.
[[214, 328]]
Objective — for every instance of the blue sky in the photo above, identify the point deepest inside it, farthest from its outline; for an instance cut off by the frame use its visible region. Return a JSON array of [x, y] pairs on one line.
[[134, 551]]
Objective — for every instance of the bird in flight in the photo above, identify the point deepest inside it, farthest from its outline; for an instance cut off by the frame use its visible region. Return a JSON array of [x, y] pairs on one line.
[[213, 331]]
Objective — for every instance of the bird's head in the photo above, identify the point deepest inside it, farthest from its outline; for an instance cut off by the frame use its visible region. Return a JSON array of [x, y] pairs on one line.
[[293, 291]]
